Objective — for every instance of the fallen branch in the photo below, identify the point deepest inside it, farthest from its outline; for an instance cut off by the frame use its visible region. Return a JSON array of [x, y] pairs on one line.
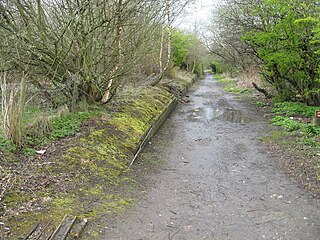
[[263, 91]]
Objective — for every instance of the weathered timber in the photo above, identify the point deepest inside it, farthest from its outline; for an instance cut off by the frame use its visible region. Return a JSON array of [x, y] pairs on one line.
[[64, 228], [77, 229], [69, 228]]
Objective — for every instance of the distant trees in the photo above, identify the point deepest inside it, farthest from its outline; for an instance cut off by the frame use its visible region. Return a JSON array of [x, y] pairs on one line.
[[282, 37], [228, 24], [188, 51]]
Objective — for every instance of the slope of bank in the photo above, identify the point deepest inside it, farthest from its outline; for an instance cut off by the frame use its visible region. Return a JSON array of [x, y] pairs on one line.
[[87, 175]]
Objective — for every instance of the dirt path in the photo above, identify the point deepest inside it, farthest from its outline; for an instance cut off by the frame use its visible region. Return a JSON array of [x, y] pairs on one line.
[[218, 181]]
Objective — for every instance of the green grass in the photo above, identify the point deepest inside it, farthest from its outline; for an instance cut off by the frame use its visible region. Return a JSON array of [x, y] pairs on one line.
[[230, 85], [220, 77], [60, 127], [291, 125], [294, 108], [5, 145], [260, 104], [236, 89], [70, 124]]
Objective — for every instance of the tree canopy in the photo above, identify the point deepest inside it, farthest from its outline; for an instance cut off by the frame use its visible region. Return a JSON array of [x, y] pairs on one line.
[[281, 37]]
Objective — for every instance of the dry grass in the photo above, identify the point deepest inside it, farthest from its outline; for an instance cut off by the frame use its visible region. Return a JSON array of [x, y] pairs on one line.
[[12, 104], [251, 75]]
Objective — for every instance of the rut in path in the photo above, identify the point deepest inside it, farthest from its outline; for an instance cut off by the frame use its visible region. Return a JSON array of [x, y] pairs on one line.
[[219, 182]]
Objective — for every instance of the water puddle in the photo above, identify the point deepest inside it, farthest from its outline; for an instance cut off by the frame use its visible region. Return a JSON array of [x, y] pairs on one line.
[[233, 116], [220, 111]]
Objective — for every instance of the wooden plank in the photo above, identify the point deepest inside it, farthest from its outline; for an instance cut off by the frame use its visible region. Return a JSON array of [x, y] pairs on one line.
[[77, 229], [63, 229], [47, 231], [69, 227]]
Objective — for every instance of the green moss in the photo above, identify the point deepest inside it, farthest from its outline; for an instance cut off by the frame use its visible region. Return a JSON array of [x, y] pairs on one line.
[[97, 190], [63, 202], [96, 165], [14, 199]]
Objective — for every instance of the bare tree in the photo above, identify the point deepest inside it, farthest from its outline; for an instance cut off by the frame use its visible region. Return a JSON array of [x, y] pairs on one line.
[[82, 48]]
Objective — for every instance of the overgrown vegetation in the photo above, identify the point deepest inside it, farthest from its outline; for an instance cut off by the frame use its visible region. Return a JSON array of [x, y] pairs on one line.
[[84, 174], [280, 38], [63, 66], [87, 175], [297, 138], [296, 118], [188, 52], [64, 53]]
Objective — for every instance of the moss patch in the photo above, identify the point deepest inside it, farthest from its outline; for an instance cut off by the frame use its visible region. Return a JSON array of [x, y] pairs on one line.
[[88, 175]]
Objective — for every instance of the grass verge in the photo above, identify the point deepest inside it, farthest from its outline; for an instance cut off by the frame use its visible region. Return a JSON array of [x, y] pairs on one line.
[[298, 142], [230, 85]]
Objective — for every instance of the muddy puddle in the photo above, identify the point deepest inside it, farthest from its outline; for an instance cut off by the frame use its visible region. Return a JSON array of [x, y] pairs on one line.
[[221, 111]]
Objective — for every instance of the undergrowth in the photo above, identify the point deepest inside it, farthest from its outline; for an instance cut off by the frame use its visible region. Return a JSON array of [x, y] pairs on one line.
[[230, 85], [297, 138], [70, 124], [294, 108], [295, 118], [87, 176], [60, 127]]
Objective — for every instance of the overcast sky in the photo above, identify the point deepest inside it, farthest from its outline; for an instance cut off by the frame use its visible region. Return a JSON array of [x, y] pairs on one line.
[[196, 14]]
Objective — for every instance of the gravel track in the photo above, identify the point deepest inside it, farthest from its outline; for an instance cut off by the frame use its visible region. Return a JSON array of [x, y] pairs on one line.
[[219, 181]]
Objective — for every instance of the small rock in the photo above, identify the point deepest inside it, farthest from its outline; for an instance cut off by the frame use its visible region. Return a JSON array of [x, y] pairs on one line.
[[273, 196], [41, 151]]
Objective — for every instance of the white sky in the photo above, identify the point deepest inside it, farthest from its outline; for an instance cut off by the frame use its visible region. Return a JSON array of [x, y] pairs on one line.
[[197, 14]]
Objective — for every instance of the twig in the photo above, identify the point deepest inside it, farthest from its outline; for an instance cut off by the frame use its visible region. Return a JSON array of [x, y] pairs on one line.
[[171, 238], [173, 212], [263, 91]]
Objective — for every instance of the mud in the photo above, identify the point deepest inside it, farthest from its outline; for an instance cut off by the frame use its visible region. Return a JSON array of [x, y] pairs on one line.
[[219, 181]]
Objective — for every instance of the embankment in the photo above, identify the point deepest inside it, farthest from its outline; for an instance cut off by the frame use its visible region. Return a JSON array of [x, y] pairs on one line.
[[88, 175]]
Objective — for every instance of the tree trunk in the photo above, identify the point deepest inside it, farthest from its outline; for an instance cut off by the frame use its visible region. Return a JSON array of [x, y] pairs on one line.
[[164, 67], [108, 92]]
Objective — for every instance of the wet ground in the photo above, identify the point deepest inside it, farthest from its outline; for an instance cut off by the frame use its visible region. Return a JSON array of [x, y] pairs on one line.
[[219, 181]]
